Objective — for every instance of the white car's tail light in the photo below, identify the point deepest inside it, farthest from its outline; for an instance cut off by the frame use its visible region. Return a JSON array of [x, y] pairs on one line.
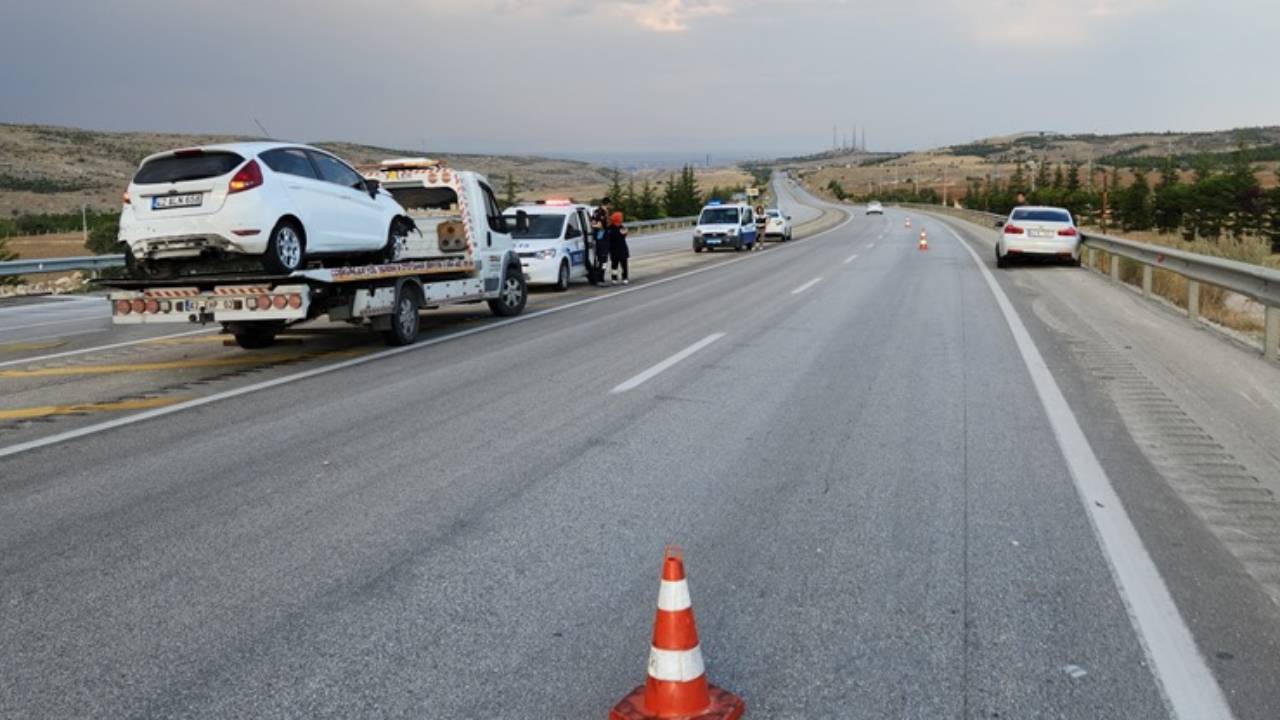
[[249, 177], [1068, 232], [1013, 230]]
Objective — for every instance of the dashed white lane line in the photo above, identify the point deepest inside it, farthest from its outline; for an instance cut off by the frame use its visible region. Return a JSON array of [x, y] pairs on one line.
[[806, 286], [1180, 670], [851, 258], [667, 364]]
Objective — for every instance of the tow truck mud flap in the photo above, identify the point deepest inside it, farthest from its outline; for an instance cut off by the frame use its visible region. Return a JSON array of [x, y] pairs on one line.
[[372, 303]]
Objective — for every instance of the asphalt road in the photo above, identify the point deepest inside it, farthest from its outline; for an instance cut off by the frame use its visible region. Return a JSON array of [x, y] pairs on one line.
[[880, 515]]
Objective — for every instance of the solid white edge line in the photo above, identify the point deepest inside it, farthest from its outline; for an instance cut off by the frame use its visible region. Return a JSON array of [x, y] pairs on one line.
[[284, 380], [97, 348], [851, 258], [667, 364], [1188, 684], [806, 286]]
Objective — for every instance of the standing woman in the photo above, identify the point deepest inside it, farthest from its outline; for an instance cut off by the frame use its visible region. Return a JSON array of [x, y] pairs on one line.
[[762, 224], [599, 229], [619, 252]]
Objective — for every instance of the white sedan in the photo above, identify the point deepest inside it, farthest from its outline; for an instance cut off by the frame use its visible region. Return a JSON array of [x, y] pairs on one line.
[[778, 225], [552, 247], [875, 208], [1038, 232], [278, 203]]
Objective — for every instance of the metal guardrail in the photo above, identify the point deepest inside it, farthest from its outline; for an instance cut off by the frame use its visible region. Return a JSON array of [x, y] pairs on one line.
[[67, 264], [1258, 283], [663, 223]]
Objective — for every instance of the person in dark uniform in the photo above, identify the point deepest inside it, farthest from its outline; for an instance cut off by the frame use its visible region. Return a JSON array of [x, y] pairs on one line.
[[619, 251], [599, 227], [762, 223]]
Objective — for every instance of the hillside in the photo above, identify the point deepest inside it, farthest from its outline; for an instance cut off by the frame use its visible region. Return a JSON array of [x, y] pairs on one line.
[[46, 169]]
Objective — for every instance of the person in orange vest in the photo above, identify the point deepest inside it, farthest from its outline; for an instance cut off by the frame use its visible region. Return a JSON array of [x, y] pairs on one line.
[[619, 251]]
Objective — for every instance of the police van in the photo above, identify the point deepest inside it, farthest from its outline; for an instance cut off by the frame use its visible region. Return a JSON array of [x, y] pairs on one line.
[[725, 225], [553, 245]]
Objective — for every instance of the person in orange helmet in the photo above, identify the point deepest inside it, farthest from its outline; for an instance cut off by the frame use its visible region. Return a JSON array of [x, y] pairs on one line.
[[619, 252]]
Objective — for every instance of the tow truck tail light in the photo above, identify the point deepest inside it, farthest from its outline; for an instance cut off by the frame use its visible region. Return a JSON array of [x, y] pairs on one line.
[[295, 301], [249, 177], [138, 305], [264, 302], [1013, 230], [123, 307], [279, 301], [153, 306]]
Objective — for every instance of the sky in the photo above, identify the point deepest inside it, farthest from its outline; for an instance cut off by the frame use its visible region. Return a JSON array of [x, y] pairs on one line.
[[743, 77]]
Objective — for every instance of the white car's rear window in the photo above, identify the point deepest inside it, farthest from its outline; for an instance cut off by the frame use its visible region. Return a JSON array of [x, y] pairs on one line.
[[1043, 215], [187, 165]]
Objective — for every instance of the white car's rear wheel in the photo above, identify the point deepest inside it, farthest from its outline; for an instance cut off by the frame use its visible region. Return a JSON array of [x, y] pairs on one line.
[[285, 249]]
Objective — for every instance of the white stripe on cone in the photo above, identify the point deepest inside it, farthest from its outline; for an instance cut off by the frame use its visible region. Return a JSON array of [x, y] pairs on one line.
[[673, 596], [676, 665]]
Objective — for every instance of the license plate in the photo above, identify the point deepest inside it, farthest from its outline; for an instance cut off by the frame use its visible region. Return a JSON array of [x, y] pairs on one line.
[[1043, 233], [164, 202], [713, 242]]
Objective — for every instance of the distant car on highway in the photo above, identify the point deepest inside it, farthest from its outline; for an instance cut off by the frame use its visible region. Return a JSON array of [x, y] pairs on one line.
[[552, 248], [778, 226], [725, 225], [1038, 232], [875, 208], [280, 203]]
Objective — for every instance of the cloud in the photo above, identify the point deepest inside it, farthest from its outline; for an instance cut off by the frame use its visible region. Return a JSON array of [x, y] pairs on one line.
[[1048, 24], [672, 16]]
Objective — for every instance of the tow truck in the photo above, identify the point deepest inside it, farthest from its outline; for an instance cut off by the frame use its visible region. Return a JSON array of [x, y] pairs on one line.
[[461, 251]]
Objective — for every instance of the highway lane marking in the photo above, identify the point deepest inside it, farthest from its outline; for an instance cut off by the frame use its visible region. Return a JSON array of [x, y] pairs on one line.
[[29, 413], [1186, 681], [99, 348], [667, 364], [851, 258], [806, 286], [187, 364], [392, 352], [38, 307]]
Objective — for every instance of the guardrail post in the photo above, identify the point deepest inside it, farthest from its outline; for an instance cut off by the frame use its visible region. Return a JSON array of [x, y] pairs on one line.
[[1193, 299], [1146, 280], [1088, 258], [1271, 338], [1115, 267]]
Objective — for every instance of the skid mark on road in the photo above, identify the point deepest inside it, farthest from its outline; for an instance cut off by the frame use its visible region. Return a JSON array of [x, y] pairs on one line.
[[42, 411], [31, 346], [249, 359]]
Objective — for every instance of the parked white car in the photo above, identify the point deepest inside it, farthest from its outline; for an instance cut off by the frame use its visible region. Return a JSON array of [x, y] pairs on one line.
[[875, 208], [281, 203], [725, 225], [552, 245], [1036, 231], [778, 226]]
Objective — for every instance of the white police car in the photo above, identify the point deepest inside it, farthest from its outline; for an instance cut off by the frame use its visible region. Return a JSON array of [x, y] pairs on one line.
[[552, 248], [725, 225]]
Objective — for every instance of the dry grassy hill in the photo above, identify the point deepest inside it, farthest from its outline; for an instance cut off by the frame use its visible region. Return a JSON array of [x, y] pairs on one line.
[[45, 169]]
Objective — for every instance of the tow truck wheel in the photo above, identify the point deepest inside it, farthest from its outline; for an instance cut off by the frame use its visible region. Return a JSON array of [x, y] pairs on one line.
[[562, 281], [513, 295], [255, 335], [404, 321], [284, 249]]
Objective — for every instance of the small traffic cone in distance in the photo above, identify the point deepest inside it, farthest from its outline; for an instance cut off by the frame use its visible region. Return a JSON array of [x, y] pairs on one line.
[[676, 688], [908, 223], [924, 240]]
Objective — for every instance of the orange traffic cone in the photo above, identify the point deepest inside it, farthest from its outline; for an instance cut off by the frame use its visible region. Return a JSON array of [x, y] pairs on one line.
[[924, 240], [908, 223], [677, 684]]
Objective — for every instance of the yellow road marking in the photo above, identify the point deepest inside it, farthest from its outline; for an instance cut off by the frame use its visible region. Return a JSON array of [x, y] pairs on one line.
[[213, 339], [25, 346], [48, 410], [245, 359]]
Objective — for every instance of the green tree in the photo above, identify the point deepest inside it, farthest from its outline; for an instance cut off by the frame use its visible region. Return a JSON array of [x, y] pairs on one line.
[[615, 187], [6, 255], [647, 206], [1018, 181], [1059, 180], [510, 192], [104, 237], [1042, 175], [1133, 205], [837, 190], [1073, 178], [1167, 206]]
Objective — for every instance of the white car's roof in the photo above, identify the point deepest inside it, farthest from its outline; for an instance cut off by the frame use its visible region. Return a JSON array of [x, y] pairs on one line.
[[536, 209]]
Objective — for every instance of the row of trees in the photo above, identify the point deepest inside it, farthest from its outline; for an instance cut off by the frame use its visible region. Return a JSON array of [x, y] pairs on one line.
[[677, 196], [1220, 199]]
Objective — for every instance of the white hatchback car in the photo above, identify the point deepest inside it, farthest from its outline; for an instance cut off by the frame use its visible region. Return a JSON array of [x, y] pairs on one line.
[[875, 208], [1038, 232], [778, 226], [552, 248], [279, 202]]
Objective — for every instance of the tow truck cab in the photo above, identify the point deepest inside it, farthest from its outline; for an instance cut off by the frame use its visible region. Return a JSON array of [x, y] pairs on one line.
[[725, 225]]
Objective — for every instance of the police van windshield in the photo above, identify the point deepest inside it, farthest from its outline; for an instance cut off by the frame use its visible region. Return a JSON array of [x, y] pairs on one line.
[[541, 227], [719, 216]]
